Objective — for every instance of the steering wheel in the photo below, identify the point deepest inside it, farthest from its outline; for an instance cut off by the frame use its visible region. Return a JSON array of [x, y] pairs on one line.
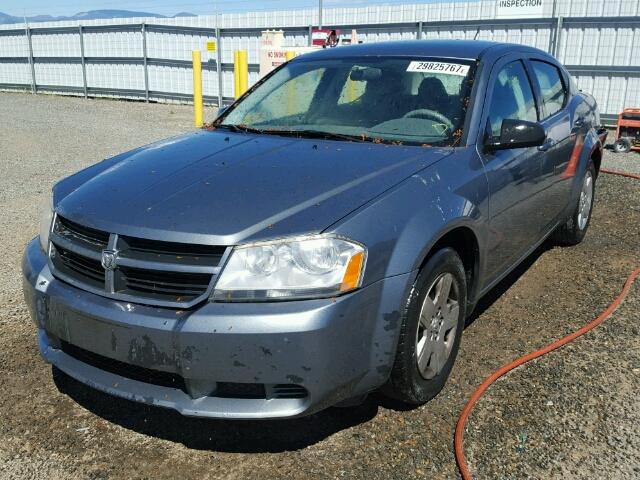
[[430, 115]]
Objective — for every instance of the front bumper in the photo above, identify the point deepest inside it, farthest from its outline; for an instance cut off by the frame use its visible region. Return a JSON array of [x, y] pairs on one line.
[[334, 348]]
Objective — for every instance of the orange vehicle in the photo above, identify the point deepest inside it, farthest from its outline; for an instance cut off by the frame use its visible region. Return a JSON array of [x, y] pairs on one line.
[[628, 131]]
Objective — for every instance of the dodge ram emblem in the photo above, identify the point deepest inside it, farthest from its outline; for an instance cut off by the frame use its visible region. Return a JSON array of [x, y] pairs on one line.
[[109, 259]]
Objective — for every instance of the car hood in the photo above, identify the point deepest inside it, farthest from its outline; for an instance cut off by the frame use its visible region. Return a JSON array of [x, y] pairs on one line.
[[225, 188]]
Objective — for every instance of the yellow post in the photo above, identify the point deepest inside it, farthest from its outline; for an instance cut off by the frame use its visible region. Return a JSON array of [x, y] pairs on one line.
[[291, 89], [243, 80], [197, 89], [236, 74], [351, 91]]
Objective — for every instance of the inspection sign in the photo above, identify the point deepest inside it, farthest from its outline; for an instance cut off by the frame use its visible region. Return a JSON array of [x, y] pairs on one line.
[[211, 46], [520, 8]]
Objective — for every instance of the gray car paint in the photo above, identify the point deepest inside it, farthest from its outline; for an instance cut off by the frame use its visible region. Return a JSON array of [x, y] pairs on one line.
[[223, 188]]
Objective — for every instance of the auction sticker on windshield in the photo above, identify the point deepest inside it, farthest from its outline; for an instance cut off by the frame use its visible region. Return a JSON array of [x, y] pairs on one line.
[[439, 67]]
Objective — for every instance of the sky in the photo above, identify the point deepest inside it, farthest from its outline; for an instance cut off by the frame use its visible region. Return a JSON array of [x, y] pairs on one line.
[[171, 7]]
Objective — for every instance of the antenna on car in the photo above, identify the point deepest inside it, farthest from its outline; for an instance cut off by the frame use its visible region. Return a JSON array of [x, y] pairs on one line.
[[475, 37]]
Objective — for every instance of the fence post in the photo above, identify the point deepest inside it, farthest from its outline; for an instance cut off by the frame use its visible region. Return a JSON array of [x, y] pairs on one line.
[[82, 61], [144, 61], [34, 88], [419, 32], [197, 89], [310, 35], [219, 65], [556, 46]]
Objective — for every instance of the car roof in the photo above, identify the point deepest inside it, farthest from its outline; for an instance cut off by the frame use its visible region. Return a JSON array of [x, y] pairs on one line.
[[463, 49]]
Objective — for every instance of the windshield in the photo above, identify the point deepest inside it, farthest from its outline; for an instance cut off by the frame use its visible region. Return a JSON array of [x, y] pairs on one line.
[[391, 100]]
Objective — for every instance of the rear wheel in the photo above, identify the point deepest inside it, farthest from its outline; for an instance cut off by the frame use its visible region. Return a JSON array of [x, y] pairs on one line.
[[572, 232], [622, 145], [431, 328]]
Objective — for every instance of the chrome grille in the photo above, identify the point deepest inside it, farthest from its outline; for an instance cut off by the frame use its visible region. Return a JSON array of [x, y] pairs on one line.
[[155, 283], [74, 232], [145, 271], [83, 268]]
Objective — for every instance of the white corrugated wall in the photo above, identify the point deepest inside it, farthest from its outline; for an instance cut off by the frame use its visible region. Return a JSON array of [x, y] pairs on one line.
[[586, 44]]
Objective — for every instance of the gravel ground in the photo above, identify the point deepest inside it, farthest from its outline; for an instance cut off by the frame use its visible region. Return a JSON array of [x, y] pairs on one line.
[[626, 162], [572, 414]]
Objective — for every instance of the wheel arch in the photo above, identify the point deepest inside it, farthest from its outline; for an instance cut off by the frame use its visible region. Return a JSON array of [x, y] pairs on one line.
[[464, 241], [596, 156]]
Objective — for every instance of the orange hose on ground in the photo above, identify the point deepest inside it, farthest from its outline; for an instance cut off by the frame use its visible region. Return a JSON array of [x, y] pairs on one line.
[[477, 394], [622, 174]]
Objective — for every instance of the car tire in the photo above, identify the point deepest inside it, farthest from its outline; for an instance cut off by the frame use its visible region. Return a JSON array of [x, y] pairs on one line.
[[573, 231], [427, 348], [622, 145]]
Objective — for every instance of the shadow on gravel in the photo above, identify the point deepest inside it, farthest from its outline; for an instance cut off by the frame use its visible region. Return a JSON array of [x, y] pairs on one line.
[[237, 436], [507, 282]]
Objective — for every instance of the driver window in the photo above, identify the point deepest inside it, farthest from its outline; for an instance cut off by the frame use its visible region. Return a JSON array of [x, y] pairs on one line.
[[512, 97]]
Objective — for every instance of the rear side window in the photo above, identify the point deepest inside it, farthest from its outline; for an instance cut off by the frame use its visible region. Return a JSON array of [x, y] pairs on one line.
[[554, 92], [512, 97]]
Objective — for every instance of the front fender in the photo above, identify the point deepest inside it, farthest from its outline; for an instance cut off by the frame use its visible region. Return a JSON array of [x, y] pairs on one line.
[[402, 226]]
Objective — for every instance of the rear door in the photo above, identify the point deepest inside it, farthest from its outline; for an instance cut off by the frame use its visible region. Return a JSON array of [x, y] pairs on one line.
[[562, 130], [514, 175]]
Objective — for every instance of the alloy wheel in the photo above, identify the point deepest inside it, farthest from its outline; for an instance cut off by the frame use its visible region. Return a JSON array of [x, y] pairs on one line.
[[586, 198], [437, 326]]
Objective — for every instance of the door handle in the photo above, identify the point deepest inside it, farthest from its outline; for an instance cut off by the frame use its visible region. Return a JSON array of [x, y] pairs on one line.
[[548, 144], [579, 122]]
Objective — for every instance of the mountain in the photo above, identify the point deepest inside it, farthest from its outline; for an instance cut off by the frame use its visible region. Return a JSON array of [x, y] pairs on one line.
[[4, 18], [90, 15], [100, 14]]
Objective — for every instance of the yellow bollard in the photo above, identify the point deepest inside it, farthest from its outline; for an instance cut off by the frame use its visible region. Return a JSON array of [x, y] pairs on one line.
[[243, 68], [236, 74], [197, 89], [291, 89], [351, 91]]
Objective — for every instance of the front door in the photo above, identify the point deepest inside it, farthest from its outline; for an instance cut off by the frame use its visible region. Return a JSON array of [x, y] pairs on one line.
[[515, 175]]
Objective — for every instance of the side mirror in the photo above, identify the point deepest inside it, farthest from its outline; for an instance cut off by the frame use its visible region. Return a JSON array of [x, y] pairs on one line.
[[517, 134]]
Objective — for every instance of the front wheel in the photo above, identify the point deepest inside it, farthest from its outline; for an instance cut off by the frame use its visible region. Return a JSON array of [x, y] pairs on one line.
[[431, 328], [572, 232]]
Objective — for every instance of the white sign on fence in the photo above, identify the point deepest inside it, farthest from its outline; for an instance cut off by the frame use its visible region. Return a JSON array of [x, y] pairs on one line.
[[520, 8]]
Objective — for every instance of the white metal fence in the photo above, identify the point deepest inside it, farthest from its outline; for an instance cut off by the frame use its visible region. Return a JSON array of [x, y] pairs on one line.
[[150, 58]]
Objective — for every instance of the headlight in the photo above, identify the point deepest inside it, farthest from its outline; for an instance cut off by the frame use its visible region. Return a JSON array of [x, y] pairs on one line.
[[303, 267], [46, 217]]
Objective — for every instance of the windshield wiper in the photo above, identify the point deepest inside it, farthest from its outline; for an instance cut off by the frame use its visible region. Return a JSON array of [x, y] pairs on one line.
[[316, 134], [292, 133], [306, 134], [240, 128]]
